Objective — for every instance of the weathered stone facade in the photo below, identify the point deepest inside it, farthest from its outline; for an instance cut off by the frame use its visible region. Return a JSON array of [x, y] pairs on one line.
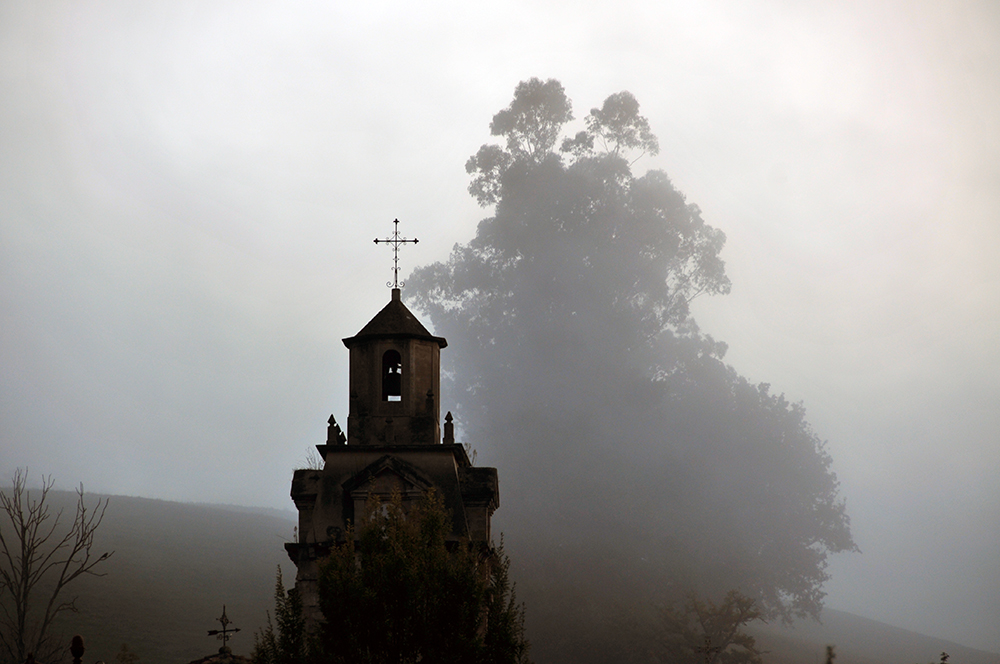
[[393, 444]]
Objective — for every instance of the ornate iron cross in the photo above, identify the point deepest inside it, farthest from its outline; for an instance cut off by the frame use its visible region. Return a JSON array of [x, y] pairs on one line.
[[225, 633], [395, 241]]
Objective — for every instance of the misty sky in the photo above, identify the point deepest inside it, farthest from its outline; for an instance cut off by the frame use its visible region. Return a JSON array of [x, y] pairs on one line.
[[189, 193]]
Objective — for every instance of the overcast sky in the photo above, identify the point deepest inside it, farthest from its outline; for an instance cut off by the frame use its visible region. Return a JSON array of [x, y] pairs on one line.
[[189, 191]]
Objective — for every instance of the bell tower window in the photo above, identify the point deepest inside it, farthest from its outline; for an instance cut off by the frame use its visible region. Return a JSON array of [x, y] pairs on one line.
[[392, 376]]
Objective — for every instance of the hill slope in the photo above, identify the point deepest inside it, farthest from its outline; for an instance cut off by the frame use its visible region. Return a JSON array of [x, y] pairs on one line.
[[176, 564], [859, 641]]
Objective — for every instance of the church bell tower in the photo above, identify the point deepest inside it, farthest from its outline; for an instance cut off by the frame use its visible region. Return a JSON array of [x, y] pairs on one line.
[[395, 380], [395, 443]]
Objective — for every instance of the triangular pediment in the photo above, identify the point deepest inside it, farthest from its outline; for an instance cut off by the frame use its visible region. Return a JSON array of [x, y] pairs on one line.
[[385, 475]]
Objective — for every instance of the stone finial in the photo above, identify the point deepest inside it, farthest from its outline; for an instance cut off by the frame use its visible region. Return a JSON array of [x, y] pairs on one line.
[[334, 435], [449, 430], [76, 649]]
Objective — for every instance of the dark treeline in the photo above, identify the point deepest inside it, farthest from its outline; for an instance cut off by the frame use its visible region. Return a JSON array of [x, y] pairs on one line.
[[636, 465]]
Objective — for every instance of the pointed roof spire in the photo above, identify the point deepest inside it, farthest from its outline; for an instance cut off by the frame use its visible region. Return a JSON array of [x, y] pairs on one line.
[[395, 321]]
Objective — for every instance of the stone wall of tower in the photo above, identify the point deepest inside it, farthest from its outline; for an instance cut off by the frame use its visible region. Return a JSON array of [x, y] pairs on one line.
[[415, 418]]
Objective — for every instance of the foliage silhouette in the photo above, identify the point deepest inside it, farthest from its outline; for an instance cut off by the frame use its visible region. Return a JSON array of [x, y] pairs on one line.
[[126, 656], [401, 592], [574, 358], [702, 631], [287, 644]]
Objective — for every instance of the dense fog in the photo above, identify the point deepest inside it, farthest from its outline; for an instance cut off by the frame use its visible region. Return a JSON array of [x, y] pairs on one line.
[[189, 193], [645, 469]]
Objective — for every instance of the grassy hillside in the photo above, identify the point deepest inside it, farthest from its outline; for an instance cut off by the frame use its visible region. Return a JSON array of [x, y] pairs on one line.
[[174, 567], [859, 641], [176, 564]]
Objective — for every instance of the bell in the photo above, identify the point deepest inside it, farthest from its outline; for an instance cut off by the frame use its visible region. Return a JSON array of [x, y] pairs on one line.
[[393, 384]]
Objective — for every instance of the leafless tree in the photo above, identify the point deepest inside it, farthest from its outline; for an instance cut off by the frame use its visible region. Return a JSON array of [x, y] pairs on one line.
[[37, 562]]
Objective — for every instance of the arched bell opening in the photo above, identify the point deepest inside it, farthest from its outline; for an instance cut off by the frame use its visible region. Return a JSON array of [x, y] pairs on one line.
[[392, 376]]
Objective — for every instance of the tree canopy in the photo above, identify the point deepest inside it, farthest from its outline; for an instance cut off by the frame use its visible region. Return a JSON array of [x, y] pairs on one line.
[[399, 592], [579, 370], [703, 632]]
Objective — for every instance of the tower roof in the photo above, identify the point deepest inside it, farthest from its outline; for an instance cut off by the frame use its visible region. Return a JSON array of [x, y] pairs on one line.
[[395, 321]]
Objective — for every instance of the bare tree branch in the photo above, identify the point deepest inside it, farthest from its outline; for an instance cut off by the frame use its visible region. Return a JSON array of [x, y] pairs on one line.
[[36, 564]]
